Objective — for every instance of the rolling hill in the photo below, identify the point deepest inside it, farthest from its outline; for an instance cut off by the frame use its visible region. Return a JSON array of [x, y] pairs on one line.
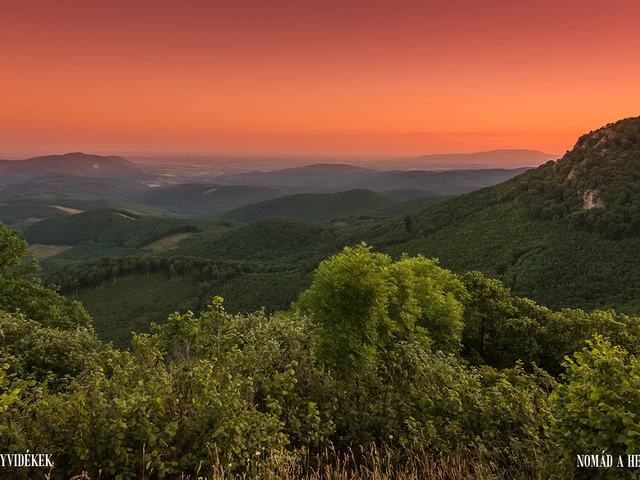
[[36, 188], [52, 187], [206, 199], [102, 232], [327, 178], [313, 207], [565, 234], [71, 164]]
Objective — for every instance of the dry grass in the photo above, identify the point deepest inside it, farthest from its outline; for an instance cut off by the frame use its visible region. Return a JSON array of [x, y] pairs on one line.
[[72, 211], [45, 251], [167, 243], [372, 464]]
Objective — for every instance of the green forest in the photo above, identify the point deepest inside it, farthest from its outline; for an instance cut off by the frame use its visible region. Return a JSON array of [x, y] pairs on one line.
[[493, 334], [532, 232], [380, 369]]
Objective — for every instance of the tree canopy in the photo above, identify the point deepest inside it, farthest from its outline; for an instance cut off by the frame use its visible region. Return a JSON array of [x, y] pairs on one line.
[[363, 303]]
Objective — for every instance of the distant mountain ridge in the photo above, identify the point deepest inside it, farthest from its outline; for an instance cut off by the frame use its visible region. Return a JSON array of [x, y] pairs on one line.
[[78, 180], [331, 178], [72, 164], [501, 158], [314, 178], [505, 158]]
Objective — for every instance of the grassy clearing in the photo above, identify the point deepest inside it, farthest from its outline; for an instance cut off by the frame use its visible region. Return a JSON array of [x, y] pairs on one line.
[[167, 243], [126, 216], [45, 251], [68, 210]]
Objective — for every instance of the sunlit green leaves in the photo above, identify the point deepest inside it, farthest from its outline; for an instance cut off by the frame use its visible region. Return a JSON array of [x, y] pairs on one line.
[[363, 303], [598, 408]]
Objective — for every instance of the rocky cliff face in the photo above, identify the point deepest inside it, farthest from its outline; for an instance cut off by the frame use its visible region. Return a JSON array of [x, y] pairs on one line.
[[591, 200], [595, 185]]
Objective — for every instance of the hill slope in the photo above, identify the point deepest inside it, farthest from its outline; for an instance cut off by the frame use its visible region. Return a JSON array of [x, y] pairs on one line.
[[102, 232], [565, 234], [70, 187], [313, 207], [73, 164], [206, 199]]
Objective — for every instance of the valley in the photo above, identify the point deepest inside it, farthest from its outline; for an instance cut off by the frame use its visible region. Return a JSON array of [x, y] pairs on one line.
[[337, 311], [525, 227], [319, 240]]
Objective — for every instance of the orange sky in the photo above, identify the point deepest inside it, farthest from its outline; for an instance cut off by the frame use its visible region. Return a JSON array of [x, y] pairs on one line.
[[300, 77]]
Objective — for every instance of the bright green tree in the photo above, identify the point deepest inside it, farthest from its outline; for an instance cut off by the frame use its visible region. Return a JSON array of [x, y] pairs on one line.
[[428, 303], [499, 329], [363, 303]]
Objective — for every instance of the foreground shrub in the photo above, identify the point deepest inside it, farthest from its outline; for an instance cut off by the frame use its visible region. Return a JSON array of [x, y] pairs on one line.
[[597, 410]]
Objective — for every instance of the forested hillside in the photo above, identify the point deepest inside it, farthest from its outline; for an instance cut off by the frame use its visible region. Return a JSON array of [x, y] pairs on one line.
[[324, 207], [532, 232], [206, 199], [380, 369], [313, 207], [564, 234]]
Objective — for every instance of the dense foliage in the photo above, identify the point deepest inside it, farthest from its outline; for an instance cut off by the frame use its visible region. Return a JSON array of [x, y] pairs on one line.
[[597, 410], [500, 329], [371, 355], [382, 351], [363, 304]]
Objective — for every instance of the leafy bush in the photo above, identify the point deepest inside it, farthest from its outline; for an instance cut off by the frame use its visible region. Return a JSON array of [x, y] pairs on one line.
[[598, 408]]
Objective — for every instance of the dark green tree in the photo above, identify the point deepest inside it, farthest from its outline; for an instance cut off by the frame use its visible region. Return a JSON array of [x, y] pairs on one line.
[[498, 328]]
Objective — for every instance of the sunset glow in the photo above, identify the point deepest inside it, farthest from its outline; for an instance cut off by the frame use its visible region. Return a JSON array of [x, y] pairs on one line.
[[333, 77]]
